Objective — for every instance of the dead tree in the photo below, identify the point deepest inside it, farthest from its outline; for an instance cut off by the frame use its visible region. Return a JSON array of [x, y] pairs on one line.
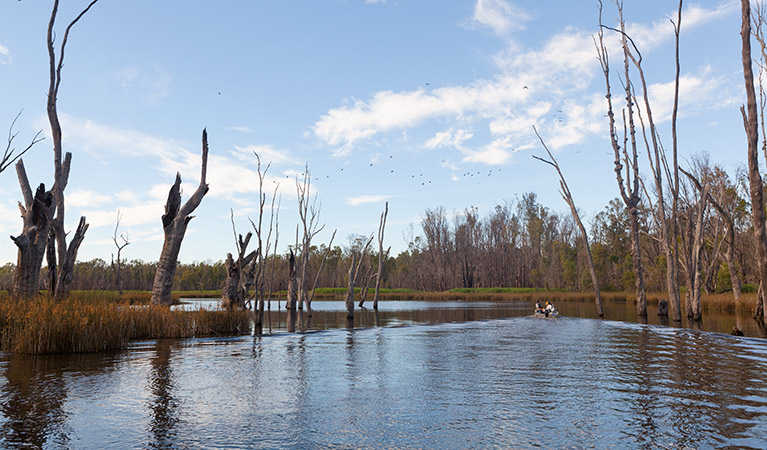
[[309, 214], [258, 266], [174, 223], [234, 292], [629, 188], [692, 238], [290, 302], [120, 246], [381, 255], [567, 196], [730, 254], [36, 213], [61, 261], [751, 124], [354, 269], [319, 271]]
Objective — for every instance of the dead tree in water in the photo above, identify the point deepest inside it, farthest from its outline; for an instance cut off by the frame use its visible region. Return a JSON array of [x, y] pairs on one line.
[[354, 269], [750, 122], [290, 303], [174, 223], [565, 193], [629, 188], [234, 292], [309, 213], [120, 246], [381, 255], [61, 256]]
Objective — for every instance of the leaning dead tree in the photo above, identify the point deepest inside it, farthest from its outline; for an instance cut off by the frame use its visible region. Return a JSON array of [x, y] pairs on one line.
[[358, 255], [381, 255], [61, 255], [751, 124], [174, 223], [120, 246], [567, 196], [319, 271], [625, 154]]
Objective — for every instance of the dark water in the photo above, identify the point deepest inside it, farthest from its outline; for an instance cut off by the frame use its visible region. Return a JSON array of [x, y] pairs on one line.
[[454, 377]]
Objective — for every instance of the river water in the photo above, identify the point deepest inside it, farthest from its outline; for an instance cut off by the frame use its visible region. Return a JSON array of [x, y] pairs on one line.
[[415, 375]]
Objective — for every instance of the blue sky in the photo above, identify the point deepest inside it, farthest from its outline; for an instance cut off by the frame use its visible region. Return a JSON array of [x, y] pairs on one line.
[[421, 103]]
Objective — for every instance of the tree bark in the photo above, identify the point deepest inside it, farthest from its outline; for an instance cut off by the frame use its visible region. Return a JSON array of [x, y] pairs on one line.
[[174, 223], [36, 213], [750, 121]]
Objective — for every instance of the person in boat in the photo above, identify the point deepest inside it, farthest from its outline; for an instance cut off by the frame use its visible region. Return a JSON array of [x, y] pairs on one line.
[[538, 307], [549, 306]]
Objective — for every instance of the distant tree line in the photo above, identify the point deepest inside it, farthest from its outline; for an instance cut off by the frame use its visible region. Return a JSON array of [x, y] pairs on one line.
[[517, 244]]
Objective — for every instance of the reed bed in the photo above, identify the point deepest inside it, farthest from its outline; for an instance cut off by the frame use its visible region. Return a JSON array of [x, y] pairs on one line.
[[83, 324]]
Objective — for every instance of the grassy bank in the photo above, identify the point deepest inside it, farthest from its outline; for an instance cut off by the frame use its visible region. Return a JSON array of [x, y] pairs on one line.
[[90, 322]]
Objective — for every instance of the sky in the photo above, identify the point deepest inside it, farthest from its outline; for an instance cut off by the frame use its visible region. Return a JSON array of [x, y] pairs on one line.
[[421, 103]]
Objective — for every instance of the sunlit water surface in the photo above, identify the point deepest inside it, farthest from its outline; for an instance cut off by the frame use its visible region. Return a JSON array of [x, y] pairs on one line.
[[462, 380]]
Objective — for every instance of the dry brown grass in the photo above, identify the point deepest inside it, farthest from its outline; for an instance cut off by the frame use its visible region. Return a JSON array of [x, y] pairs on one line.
[[82, 323]]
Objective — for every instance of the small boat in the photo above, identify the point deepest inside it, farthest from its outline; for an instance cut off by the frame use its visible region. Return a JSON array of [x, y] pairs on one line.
[[546, 314]]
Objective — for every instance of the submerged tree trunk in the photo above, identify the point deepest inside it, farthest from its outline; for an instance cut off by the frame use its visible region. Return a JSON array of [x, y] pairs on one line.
[[290, 303], [36, 213], [174, 223]]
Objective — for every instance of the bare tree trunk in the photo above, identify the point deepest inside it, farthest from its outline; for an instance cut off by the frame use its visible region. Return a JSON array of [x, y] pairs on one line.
[[381, 255], [66, 254], [629, 189], [292, 300], [567, 196], [36, 213], [750, 121], [174, 223]]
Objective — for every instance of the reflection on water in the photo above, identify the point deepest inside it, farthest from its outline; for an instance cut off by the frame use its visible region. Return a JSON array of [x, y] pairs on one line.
[[454, 378]]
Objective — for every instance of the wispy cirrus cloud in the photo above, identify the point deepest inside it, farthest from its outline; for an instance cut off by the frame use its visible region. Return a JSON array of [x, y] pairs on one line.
[[5, 55], [363, 199], [146, 83]]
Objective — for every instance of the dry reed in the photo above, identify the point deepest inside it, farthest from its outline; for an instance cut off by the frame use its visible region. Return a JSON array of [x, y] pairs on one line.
[[84, 324]]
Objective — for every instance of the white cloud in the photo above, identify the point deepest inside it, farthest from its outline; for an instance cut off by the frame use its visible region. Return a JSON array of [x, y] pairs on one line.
[[242, 129], [496, 152], [500, 16], [375, 2], [84, 197], [533, 83], [362, 199], [448, 138], [5, 55]]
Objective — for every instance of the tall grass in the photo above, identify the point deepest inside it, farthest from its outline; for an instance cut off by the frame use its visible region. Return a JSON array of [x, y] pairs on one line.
[[83, 323]]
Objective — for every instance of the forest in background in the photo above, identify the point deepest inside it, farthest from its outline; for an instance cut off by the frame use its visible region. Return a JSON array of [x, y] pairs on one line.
[[518, 244]]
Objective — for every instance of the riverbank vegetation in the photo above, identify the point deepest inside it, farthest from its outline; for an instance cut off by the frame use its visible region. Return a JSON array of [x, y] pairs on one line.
[[91, 322]]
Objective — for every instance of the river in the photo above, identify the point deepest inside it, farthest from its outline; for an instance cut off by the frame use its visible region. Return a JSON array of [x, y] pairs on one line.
[[415, 375]]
